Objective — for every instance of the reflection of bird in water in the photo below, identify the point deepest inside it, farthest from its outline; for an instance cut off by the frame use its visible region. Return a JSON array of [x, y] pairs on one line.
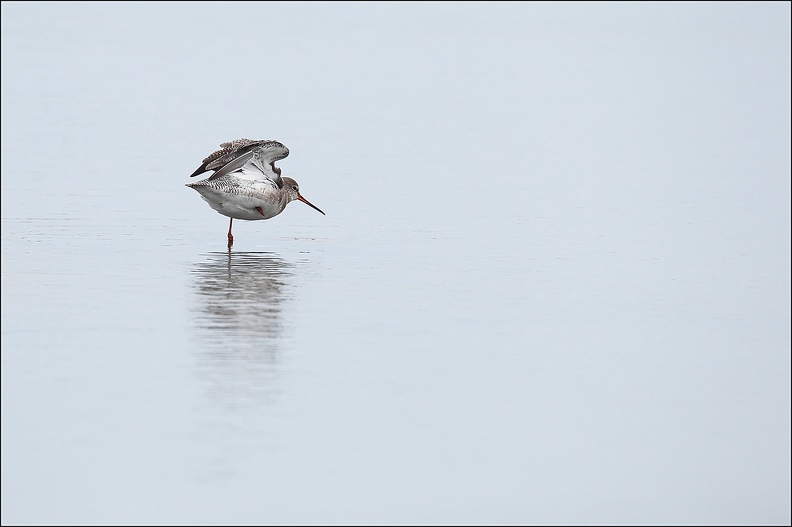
[[240, 298], [246, 184]]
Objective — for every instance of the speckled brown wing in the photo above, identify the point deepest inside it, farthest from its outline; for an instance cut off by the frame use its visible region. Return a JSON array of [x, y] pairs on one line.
[[265, 152]]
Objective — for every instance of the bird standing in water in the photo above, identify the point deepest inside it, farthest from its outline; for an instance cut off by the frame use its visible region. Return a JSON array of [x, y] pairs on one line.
[[246, 184]]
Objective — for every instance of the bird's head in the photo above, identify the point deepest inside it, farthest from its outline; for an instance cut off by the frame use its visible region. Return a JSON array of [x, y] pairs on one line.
[[293, 189]]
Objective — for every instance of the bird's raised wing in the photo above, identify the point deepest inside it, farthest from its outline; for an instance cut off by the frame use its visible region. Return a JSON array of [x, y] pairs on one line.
[[253, 156]]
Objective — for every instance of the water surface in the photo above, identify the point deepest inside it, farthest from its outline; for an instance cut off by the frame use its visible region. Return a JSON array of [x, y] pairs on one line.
[[552, 285]]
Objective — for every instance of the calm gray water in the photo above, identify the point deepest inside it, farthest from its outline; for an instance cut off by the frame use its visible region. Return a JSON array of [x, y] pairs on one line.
[[552, 285]]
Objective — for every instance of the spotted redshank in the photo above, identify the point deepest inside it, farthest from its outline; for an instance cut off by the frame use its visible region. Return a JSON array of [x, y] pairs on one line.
[[246, 184]]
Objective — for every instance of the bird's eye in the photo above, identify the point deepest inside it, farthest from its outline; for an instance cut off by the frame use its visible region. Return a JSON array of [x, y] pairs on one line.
[[295, 187]]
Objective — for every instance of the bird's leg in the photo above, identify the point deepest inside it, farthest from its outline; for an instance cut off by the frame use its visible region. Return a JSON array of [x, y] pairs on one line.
[[230, 236]]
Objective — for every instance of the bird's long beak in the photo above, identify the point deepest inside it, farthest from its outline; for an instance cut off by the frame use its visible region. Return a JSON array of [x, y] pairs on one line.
[[309, 204]]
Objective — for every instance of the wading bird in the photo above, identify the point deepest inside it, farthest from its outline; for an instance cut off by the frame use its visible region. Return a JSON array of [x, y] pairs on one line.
[[246, 184]]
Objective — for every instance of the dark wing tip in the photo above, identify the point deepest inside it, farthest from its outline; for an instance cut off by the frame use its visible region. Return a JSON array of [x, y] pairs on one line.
[[200, 170]]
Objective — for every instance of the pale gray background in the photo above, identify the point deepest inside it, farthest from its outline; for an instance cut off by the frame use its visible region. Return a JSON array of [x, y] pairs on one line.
[[552, 285]]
